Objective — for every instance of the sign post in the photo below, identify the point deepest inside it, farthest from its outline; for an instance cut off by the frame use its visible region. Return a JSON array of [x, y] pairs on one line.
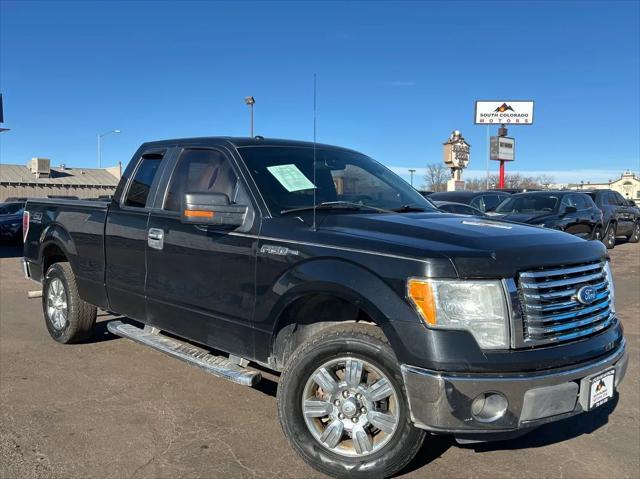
[[503, 113], [456, 157]]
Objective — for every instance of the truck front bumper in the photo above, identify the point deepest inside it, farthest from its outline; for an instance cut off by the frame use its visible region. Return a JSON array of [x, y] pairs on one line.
[[444, 403]]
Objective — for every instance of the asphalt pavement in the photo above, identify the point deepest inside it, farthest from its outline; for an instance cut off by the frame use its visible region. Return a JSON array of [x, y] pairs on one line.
[[110, 408]]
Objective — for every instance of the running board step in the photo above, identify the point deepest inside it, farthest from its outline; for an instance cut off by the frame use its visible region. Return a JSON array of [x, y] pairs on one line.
[[216, 365]]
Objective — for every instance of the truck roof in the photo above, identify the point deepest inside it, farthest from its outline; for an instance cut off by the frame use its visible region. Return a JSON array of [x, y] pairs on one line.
[[239, 142]]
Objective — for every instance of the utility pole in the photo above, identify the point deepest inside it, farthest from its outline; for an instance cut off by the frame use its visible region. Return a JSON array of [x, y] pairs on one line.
[[412, 171], [250, 101]]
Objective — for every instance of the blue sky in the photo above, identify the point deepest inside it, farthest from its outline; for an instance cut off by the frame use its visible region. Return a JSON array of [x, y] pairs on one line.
[[393, 78]]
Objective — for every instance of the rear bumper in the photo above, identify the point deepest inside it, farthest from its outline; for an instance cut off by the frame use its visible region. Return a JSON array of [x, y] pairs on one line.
[[442, 403]]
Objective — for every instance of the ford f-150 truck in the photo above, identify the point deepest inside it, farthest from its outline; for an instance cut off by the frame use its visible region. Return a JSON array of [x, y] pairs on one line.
[[389, 320]]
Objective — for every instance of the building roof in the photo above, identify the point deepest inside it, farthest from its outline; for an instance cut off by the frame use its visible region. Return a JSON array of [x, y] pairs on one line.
[[58, 176]]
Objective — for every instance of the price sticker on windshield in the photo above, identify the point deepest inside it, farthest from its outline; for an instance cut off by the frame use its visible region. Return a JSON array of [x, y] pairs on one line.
[[290, 177]]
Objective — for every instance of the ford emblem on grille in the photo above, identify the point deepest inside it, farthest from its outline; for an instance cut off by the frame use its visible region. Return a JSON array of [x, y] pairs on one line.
[[586, 295]]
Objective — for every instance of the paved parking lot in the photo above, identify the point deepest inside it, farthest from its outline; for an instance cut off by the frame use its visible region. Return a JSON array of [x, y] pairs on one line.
[[112, 408]]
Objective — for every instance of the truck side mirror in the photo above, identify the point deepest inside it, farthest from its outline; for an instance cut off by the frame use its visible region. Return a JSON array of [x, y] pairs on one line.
[[211, 209]]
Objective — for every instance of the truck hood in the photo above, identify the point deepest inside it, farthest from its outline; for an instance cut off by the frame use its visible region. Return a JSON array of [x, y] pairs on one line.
[[477, 247]]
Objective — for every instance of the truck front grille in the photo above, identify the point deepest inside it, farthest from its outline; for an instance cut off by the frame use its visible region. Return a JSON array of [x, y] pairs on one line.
[[551, 311]]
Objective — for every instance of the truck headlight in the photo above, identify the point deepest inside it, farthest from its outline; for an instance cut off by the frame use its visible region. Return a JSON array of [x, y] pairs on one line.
[[612, 289], [478, 306]]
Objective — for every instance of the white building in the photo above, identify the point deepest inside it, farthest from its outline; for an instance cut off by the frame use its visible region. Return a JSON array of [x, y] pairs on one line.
[[628, 185]]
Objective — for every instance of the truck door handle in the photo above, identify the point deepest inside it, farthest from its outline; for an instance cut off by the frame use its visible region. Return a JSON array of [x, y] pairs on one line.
[[155, 238]]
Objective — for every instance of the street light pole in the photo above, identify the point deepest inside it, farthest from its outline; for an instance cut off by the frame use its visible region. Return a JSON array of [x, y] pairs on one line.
[[412, 171], [100, 135], [249, 100]]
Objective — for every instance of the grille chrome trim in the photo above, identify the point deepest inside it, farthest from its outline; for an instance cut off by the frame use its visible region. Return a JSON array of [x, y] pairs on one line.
[[549, 312], [561, 272], [563, 293], [562, 282]]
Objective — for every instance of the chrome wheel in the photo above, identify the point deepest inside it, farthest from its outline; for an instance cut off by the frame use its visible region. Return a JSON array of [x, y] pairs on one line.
[[57, 304], [636, 233], [598, 234], [611, 236], [350, 407]]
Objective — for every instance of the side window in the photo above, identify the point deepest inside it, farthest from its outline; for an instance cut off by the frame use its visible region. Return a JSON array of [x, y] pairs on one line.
[[478, 203], [581, 202], [142, 179], [202, 171], [569, 200], [491, 202], [612, 199], [620, 199]]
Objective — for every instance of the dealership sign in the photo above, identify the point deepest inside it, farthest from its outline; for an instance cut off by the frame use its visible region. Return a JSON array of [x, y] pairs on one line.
[[504, 112]]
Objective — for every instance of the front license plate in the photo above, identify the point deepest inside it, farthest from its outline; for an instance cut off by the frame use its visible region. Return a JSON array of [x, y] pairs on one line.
[[601, 388]]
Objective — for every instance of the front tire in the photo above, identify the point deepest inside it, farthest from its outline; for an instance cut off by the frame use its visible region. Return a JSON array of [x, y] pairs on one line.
[[69, 319], [635, 236], [343, 407], [609, 238]]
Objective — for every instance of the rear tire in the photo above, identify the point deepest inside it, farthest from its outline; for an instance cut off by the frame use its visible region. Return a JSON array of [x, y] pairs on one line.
[[69, 319], [384, 450], [635, 235], [609, 238]]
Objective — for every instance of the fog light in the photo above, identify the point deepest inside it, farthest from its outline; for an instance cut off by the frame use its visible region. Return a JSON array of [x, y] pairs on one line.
[[488, 407]]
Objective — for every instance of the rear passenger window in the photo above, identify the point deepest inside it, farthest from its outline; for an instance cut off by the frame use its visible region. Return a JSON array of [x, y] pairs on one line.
[[202, 171], [141, 184]]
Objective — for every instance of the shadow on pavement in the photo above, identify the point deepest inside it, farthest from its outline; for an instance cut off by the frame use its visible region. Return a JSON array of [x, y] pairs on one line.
[[10, 250], [432, 448], [556, 432], [101, 333]]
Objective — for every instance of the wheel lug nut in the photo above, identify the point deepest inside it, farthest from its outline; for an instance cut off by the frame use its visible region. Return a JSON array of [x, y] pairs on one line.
[[341, 416], [363, 410], [345, 393], [355, 419], [359, 396], [336, 402]]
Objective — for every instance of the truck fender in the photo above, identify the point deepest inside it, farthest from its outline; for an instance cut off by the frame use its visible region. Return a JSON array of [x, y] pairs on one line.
[[345, 280], [54, 233]]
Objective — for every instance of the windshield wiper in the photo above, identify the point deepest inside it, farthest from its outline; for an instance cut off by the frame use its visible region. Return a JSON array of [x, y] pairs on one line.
[[409, 209], [334, 205]]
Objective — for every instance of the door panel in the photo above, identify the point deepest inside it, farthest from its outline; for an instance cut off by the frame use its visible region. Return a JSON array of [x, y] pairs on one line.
[[201, 283], [125, 238]]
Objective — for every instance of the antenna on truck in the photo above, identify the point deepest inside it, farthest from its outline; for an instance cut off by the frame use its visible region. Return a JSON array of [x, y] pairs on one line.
[[314, 153]]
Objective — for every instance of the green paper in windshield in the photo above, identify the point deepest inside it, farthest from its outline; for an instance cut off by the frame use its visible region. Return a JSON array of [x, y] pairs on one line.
[[290, 177]]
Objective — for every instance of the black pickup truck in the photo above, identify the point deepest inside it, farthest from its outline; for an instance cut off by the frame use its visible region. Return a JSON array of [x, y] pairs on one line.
[[389, 320]]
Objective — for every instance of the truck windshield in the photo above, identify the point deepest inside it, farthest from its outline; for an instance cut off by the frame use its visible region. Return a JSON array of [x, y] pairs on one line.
[[285, 177], [528, 204]]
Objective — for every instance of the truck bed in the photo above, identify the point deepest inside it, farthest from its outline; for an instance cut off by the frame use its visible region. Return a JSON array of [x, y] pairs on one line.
[[77, 225]]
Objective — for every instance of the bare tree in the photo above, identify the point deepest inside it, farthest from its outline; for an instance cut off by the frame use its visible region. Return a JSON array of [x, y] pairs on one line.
[[436, 177], [513, 180]]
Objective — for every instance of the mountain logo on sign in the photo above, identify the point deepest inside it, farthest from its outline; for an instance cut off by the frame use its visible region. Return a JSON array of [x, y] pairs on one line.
[[502, 108], [601, 385]]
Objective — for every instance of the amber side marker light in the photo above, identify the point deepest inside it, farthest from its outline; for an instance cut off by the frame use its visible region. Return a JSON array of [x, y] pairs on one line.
[[198, 214], [420, 293]]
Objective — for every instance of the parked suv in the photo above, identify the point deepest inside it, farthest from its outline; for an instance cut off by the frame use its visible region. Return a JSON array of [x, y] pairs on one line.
[[481, 200], [571, 212], [619, 218]]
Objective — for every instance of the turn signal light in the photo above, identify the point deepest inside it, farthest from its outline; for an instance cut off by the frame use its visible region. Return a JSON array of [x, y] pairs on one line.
[[421, 295], [198, 214]]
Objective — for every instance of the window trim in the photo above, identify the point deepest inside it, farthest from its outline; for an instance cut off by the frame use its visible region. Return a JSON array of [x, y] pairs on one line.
[[154, 184]]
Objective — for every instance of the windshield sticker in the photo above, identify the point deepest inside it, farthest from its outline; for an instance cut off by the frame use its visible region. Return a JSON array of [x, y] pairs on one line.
[[490, 225], [290, 177]]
